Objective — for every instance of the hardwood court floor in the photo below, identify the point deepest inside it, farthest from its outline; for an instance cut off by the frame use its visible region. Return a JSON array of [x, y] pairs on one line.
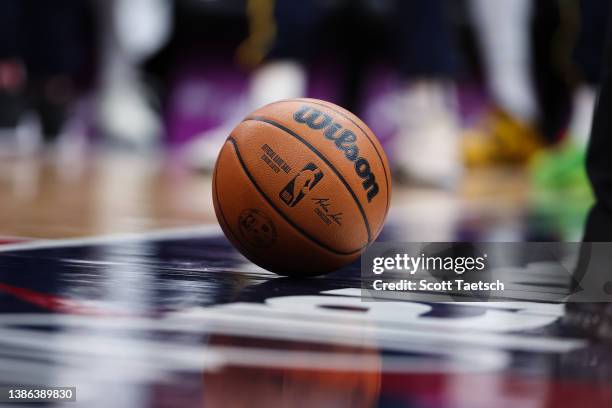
[[44, 197], [54, 196]]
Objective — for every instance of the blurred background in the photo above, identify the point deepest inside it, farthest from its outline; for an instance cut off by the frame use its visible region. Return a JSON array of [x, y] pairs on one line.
[[112, 112]]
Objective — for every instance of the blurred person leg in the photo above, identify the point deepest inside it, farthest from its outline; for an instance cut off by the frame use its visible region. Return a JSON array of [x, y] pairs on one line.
[[588, 56], [12, 68], [508, 133], [587, 318], [553, 37], [280, 41], [599, 165], [54, 41], [132, 30], [562, 169], [426, 147], [283, 51]]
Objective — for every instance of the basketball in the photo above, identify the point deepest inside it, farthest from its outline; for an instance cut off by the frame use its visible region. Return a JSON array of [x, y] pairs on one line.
[[301, 187]]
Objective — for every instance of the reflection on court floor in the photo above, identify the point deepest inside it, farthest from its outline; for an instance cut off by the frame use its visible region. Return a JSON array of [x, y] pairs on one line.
[[179, 318]]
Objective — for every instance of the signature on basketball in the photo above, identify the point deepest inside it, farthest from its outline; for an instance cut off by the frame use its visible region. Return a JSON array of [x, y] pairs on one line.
[[324, 211]]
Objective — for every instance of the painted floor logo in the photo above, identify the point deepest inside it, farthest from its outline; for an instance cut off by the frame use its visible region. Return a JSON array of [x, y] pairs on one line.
[[301, 184]]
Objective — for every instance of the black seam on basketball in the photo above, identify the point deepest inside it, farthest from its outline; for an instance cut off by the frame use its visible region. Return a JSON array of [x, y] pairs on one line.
[[331, 166], [287, 219], [241, 246], [220, 207], [382, 162]]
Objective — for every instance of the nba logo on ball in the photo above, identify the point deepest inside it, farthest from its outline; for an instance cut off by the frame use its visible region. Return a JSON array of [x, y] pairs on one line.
[[301, 184], [301, 187]]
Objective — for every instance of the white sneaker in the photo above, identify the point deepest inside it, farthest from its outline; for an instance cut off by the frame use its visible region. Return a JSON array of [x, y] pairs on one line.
[[125, 115], [277, 80], [426, 146], [201, 153], [273, 81]]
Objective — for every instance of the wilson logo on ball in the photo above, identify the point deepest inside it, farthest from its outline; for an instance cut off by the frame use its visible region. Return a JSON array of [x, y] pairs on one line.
[[301, 184], [344, 140]]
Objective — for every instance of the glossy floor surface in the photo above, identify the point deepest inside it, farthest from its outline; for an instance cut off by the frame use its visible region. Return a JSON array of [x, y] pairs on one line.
[[115, 279]]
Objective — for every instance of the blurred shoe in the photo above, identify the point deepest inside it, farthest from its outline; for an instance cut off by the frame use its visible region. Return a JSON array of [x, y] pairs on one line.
[[426, 148], [126, 114], [560, 188], [560, 185], [142, 27], [201, 153], [563, 168], [271, 82], [52, 99], [500, 139], [277, 80], [28, 134]]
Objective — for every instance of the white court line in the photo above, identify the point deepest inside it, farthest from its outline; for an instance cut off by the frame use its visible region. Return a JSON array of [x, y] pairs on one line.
[[155, 235], [90, 344], [16, 238]]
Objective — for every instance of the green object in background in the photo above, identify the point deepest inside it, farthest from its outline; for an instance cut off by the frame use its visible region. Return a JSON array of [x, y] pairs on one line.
[[561, 169], [561, 188]]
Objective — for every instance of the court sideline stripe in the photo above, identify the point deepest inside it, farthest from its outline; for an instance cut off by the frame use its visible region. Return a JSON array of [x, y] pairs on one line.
[[154, 235]]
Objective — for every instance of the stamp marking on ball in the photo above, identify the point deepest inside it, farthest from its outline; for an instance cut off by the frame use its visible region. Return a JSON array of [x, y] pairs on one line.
[[257, 228]]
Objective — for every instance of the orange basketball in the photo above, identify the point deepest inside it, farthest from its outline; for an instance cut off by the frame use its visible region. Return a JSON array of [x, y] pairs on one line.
[[301, 187]]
